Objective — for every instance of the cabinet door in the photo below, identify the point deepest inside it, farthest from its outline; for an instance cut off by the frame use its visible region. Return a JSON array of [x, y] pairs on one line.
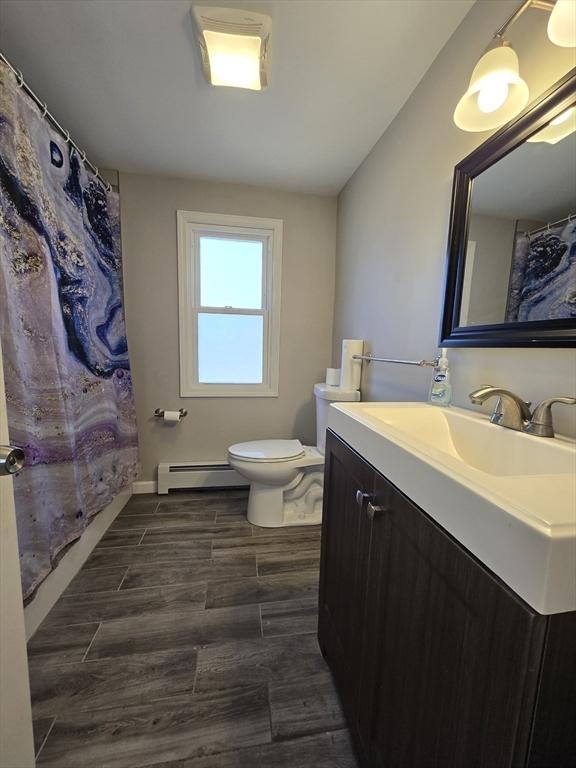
[[553, 737], [343, 568], [379, 516], [457, 652]]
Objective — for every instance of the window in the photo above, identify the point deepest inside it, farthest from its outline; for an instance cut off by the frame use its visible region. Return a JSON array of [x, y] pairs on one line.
[[229, 270]]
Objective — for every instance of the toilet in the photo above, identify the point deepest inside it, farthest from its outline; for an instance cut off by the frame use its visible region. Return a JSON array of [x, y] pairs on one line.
[[286, 477]]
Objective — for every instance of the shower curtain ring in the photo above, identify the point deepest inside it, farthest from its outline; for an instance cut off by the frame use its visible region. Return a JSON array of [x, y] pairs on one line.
[[44, 109], [83, 156], [19, 79], [67, 137]]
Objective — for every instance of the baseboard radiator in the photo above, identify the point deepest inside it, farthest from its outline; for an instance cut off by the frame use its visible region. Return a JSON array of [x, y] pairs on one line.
[[173, 475]]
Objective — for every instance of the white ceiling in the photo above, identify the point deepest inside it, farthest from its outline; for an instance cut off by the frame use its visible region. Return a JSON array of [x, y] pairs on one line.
[[124, 77]]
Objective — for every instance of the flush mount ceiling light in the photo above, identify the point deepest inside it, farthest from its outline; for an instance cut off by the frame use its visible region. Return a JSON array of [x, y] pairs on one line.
[[234, 45], [496, 92], [562, 24], [557, 129]]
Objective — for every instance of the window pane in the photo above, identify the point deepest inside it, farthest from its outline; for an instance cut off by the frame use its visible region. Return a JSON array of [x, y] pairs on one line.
[[230, 273], [230, 348]]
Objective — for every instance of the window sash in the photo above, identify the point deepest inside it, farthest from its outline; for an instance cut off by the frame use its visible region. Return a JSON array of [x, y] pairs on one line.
[[263, 356], [266, 241], [229, 311]]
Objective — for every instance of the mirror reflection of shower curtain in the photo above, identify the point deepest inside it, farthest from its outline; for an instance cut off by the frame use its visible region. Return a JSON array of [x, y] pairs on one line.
[[68, 383], [543, 275]]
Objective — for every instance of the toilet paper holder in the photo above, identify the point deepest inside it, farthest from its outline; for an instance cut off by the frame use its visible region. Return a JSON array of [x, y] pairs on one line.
[[159, 413]]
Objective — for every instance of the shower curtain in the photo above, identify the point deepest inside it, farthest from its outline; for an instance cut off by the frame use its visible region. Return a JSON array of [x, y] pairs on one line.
[[543, 275], [68, 382]]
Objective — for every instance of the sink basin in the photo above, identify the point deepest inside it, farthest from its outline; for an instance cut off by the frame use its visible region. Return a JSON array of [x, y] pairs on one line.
[[508, 497], [472, 440]]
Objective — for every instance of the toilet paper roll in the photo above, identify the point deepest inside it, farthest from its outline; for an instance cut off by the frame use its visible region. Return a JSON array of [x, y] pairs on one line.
[[333, 377], [172, 416], [351, 369]]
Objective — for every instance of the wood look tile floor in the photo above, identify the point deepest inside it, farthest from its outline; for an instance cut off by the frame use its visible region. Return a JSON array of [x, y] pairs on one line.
[[188, 640]]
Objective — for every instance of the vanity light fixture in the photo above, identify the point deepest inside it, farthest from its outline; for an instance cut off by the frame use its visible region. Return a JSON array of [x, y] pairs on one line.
[[562, 24], [496, 92], [234, 45], [557, 129]]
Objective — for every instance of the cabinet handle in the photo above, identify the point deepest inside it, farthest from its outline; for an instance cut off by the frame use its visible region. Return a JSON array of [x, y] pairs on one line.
[[373, 510], [361, 498]]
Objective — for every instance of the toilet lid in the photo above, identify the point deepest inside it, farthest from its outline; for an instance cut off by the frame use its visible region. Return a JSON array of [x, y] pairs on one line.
[[267, 450]]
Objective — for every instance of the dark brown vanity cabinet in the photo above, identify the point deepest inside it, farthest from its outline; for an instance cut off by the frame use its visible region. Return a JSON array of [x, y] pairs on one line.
[[437, 662]]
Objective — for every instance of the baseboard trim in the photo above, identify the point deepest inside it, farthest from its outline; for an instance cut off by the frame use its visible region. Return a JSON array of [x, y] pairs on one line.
[[144, 486], [56, 582]]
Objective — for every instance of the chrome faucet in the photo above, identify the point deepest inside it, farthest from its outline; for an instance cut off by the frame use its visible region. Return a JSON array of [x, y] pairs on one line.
[[512, 412]]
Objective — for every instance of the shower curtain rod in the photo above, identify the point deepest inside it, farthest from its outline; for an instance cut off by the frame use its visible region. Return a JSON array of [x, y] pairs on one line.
[[47, 114], [550, 224]]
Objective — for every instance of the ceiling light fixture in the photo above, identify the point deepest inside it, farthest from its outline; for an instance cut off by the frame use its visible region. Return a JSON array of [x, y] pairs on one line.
[[234, 45], [497, 93]]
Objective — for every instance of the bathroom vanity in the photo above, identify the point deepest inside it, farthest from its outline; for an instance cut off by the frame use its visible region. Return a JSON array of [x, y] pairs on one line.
[[438, 660]]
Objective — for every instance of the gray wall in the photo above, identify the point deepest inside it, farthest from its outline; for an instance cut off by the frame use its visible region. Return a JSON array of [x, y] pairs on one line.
[[149, 207], [393, 220], [494, 240]]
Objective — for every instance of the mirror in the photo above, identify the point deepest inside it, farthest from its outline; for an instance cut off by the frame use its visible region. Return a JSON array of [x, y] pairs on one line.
[[512, 248]]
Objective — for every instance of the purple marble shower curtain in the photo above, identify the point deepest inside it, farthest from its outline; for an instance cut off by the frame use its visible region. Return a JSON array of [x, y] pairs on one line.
[[68, 382], [543, 275]]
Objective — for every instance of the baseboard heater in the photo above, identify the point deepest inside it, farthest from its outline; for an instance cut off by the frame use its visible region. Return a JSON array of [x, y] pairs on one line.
[[172, 475]]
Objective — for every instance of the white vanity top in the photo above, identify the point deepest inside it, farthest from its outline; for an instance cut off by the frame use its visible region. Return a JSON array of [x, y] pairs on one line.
[[508, 497]]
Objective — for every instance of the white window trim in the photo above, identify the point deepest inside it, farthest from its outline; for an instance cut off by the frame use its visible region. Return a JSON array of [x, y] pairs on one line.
[[269, 230]]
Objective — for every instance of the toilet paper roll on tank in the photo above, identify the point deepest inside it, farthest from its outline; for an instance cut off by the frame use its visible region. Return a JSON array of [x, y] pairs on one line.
[[333, 377], [350, 372]]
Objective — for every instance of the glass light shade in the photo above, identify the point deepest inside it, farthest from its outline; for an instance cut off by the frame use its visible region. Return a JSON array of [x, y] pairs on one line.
[[496, 92], [234, 60], [493, 94], [557, 129], [562, 24]]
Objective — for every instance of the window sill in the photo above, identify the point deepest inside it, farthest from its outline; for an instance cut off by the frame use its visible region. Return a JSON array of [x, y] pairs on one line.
[[230, 392]]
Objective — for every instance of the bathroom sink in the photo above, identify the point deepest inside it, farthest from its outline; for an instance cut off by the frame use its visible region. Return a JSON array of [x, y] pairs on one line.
[[510, 498], [472, 440]]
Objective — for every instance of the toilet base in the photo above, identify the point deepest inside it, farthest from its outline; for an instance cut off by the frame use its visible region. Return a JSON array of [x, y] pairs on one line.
[[299, 503]]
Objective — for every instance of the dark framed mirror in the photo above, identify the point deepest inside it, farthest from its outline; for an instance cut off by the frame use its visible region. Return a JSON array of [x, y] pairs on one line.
[[511, 271]]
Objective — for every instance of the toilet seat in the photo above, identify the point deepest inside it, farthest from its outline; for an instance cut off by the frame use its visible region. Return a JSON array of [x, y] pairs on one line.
[[266, 451]]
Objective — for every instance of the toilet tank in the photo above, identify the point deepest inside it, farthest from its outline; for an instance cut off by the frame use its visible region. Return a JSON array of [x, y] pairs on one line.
[[326, 394]]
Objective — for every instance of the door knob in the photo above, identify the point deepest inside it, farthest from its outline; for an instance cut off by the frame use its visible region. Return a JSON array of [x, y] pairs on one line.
[[11, 459]]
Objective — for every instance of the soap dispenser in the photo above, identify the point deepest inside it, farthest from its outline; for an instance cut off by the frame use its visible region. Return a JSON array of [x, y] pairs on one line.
[[441, 389]]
